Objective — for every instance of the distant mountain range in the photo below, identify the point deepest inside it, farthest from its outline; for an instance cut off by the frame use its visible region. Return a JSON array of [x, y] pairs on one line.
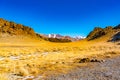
[[58, 36]]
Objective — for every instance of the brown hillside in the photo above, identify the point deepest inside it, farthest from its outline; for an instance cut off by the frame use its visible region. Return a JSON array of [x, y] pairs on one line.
[[98, 32], [15, 29]]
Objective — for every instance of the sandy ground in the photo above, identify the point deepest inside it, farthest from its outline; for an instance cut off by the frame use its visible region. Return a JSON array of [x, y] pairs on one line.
[[108, 70]]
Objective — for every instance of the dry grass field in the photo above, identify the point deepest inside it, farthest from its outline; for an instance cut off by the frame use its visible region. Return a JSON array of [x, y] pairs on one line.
[[39, 59]]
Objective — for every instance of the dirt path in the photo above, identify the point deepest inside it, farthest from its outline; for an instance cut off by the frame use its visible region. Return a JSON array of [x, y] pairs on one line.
[[109, 70]]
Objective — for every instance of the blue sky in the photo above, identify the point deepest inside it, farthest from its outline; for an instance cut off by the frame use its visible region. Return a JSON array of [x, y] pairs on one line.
[[71, 17]]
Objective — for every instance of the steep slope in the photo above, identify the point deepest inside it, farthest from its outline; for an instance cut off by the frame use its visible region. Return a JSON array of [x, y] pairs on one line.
[[12, 33], [116, 37], [105, 34], [99, 32], [15, 29], [117, 27]]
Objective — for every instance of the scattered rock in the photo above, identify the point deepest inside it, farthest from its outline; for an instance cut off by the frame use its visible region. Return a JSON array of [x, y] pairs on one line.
[[96, 60], [110, 70], [84, 60]]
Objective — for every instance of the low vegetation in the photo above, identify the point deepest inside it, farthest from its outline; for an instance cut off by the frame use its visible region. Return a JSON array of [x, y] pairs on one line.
[[45, 59]]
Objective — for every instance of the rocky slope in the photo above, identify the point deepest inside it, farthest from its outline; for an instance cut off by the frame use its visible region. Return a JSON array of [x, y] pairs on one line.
[[15, 29], [112, 33], [13, 33]]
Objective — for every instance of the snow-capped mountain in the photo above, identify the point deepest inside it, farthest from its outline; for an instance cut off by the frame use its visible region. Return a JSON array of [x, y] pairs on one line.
[[80, 37], [55, 36], [65, 37]]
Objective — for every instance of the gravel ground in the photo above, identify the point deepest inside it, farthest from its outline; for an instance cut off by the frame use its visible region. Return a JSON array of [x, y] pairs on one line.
[[108, 70]]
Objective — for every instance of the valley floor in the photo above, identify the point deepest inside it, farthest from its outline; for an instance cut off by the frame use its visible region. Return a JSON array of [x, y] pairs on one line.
[[43, 60]]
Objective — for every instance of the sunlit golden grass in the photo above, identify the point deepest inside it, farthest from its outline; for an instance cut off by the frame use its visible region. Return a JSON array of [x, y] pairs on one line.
[[4, 76], [45, 58]]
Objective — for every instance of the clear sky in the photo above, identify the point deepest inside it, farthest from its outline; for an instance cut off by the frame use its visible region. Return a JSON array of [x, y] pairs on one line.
[[77, 17]]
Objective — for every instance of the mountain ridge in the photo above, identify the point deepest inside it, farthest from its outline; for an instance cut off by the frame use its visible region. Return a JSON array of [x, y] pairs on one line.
[[12, 28]]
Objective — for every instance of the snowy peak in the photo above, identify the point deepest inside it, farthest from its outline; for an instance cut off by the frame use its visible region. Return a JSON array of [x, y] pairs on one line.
[[58, 36]]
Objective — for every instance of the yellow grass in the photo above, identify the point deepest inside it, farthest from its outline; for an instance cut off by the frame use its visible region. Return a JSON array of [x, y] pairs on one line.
[[4, 76], [43, 58]]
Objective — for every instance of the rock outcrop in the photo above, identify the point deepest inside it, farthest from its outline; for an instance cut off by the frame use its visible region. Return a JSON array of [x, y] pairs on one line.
[[100, 32]]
